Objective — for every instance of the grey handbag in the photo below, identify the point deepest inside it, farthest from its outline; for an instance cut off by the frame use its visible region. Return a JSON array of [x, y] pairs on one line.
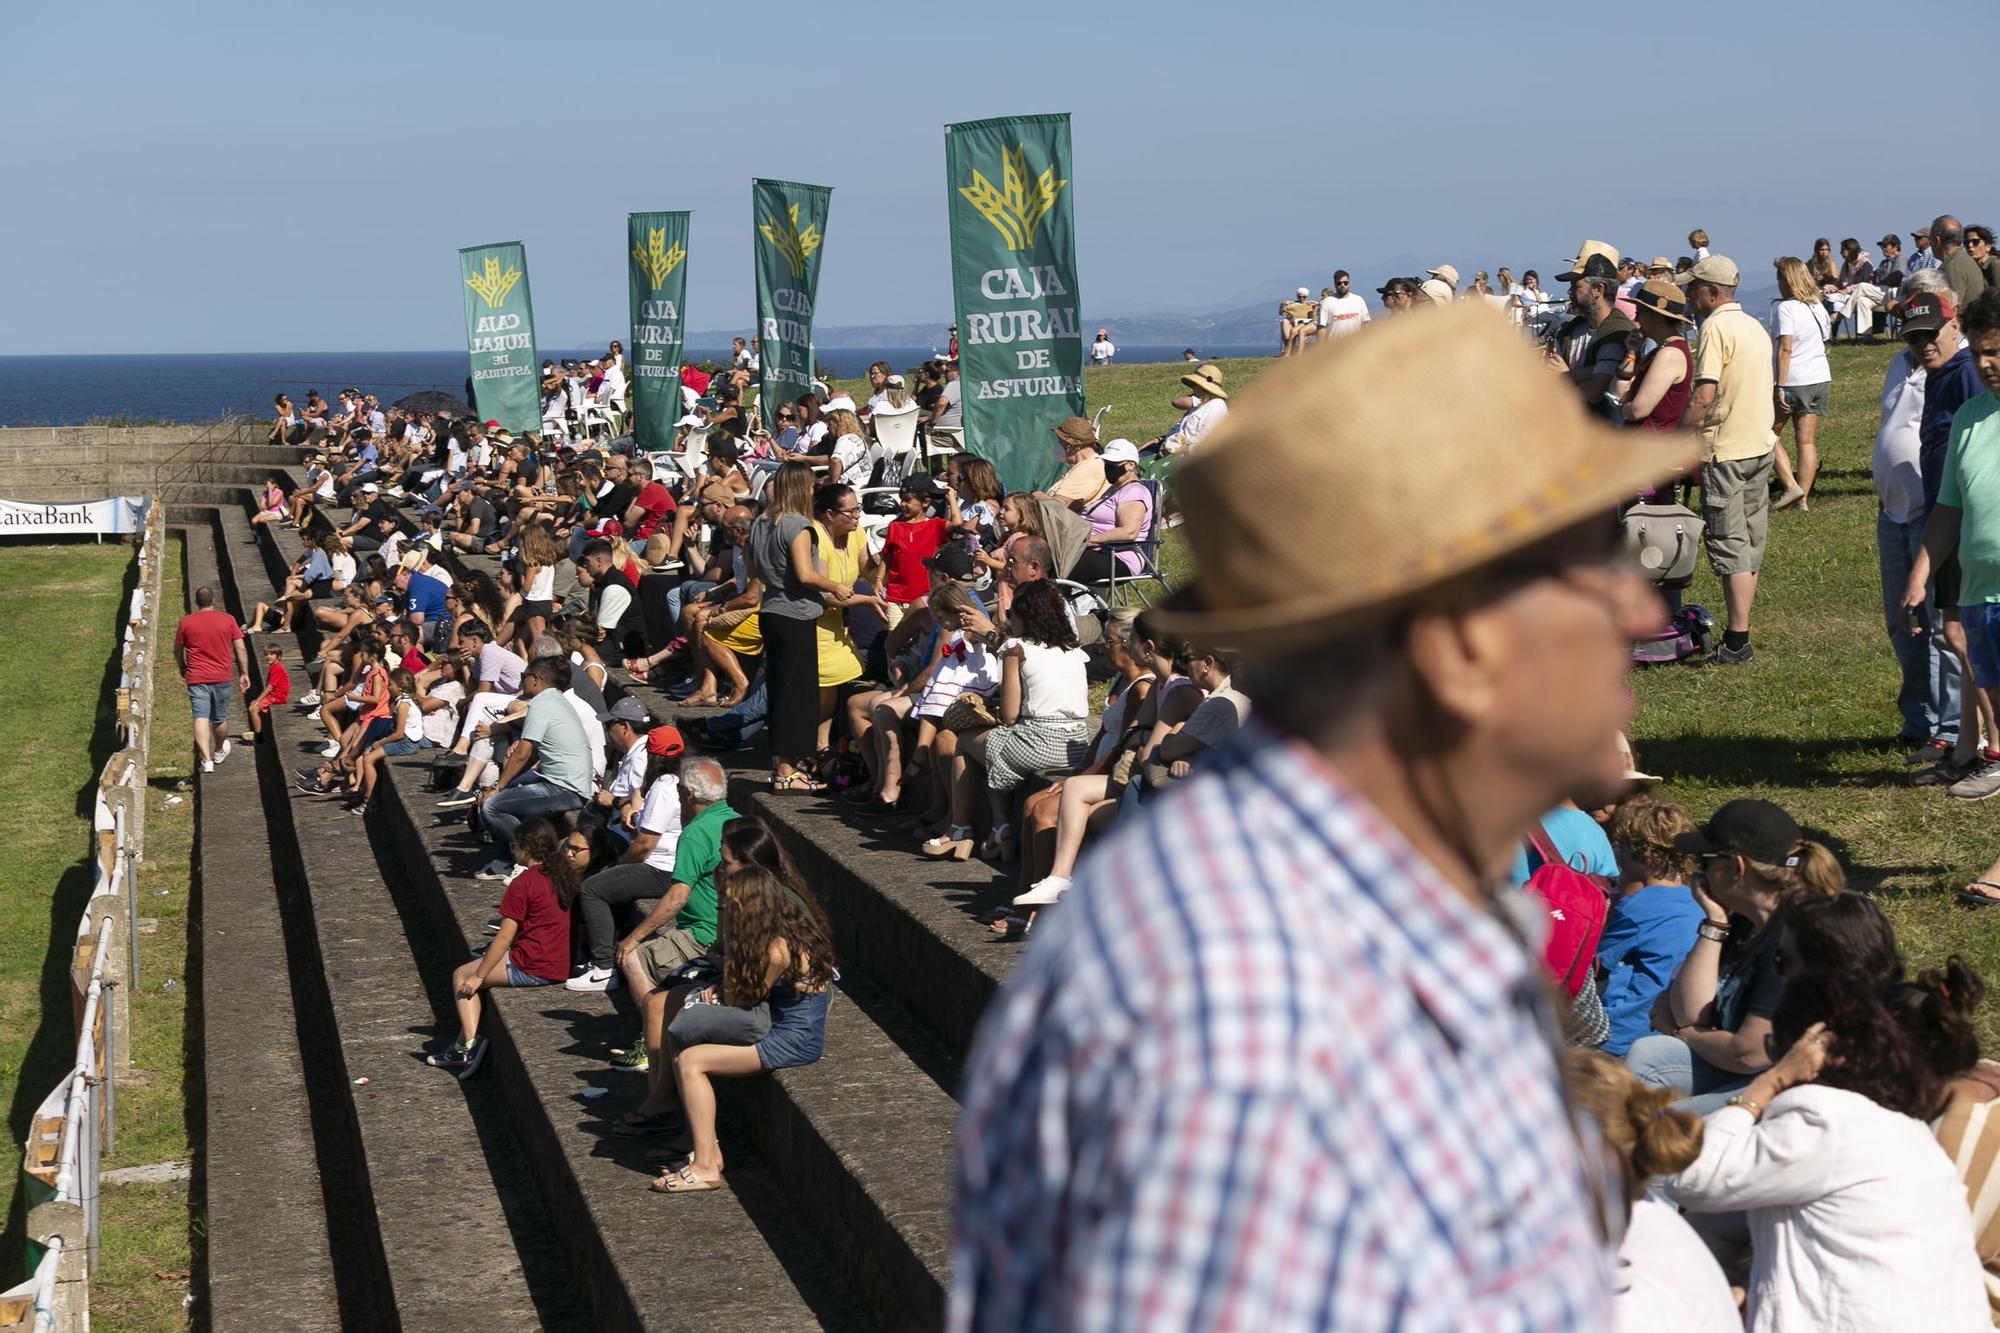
[[1665, 538], [709, 1023]]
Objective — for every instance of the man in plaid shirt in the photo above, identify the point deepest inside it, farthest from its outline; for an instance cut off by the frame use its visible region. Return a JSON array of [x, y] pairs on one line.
[[1281, 1059]]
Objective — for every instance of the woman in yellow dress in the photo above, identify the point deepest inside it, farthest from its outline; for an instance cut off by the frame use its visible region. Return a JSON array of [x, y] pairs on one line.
[[842, 555]]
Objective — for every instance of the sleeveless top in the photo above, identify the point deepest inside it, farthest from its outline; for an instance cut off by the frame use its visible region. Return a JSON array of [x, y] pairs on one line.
[[1667, 412]]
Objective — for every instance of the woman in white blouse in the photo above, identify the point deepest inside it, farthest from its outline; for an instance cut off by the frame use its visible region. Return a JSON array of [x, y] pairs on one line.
[[1858, 1221]]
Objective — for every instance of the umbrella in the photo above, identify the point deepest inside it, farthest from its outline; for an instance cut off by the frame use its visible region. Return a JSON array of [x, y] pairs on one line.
[[434, 402]]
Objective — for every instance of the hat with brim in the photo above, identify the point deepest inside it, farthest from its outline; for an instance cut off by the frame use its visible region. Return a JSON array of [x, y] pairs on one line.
[[1367, 534], [1208, 380], [1663, 298], [1075, 432], [1755, 830], [1659, 264], [1584, 253], [1444, 273], [1437, 291]]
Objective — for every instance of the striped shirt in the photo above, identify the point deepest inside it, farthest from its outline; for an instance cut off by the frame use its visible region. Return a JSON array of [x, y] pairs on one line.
[[1267, 1071], [1969, 1133]]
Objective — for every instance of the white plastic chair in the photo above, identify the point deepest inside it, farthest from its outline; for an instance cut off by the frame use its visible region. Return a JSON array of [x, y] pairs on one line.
[[896, 439], [1097, 421]]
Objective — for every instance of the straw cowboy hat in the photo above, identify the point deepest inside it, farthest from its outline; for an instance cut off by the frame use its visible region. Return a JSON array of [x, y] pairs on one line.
[[1395, 480], [1444, 273], [1076, 432], [1583, 254], [1206, 379]]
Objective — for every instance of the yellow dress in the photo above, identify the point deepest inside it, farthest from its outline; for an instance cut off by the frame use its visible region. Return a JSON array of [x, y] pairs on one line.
[[838, 662]]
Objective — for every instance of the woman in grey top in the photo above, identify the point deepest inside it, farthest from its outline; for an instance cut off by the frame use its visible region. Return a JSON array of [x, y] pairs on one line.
[[796, 592]]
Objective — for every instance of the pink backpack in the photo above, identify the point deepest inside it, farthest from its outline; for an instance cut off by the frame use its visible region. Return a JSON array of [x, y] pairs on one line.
[[1577, 904]]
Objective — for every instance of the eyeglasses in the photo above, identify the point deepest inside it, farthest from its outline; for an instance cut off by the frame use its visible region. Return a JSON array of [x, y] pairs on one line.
[[576, 849], [853, 512]]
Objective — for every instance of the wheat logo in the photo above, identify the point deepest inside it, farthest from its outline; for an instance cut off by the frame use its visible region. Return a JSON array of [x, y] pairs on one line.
[[656, 261], [790, 242], [1018, 206], [493, 285]]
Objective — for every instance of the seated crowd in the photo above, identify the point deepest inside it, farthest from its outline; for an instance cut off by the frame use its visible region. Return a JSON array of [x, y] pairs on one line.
[[483, 600]]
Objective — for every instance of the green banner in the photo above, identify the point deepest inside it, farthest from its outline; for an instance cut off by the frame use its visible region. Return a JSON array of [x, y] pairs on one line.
[[1013, 280], [500, 335], [788, 223], [656, 247]]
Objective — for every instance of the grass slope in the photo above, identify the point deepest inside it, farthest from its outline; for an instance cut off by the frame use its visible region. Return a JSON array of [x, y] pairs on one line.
[[1810, 723]]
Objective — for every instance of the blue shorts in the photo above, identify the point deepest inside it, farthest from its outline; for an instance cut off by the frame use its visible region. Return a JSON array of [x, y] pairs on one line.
[[1982, 642], [375, 731], [405, 746], [210, 702], [516, 977]]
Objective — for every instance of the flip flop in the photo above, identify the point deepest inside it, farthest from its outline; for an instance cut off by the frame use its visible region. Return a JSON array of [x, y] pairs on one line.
[[1966, 894], [683, 1181]]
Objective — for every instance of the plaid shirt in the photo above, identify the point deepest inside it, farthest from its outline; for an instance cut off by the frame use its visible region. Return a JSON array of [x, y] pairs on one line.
[[1266, 1071]]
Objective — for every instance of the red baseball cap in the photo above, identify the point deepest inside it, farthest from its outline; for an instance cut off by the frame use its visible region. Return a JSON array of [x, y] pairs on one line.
[[491, 425], [665, 741]]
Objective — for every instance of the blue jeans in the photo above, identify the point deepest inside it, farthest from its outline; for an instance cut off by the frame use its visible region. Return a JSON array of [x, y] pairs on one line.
[[1660, 1061], [677, 597], [528, 795], [1928, 696]]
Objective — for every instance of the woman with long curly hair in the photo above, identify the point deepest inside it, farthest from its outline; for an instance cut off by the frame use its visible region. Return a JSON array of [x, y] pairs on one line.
[[777, 952], [532, 945], [1857, 1219]]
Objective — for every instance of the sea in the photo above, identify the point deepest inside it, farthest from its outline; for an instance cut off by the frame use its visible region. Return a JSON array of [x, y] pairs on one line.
[[201, 386]]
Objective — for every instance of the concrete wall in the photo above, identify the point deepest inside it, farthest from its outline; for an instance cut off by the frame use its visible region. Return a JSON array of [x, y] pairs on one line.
[[57, 463]]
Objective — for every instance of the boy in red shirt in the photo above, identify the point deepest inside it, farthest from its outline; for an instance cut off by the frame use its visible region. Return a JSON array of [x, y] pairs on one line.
[[910, 539], [277, 690]]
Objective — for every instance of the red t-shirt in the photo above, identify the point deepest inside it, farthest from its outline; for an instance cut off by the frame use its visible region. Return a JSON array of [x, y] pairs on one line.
[[414, 662], [906, 546], [541, 949], [279, 682], [209, 638], [657, 503]]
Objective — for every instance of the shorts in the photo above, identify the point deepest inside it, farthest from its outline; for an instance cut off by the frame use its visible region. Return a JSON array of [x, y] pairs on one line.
[[319, 589], [516, 977], [542, 609], [210, 702], [1736, 509], [375, 731], [263, 706], [408, 745], [667, 951], [1807, 400]]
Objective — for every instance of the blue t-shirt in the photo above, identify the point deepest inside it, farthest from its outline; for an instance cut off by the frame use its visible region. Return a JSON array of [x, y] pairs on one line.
[[1646, 935], [1582, 844], [425, 594], [1946, 389]]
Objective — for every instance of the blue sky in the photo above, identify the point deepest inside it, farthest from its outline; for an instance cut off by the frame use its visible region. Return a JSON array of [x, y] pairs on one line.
[[275, 176]]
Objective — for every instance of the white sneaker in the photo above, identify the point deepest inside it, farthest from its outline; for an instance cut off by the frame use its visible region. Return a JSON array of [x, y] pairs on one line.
[[222, 753], [596, 979], [207, 766], [310, 700], [493, 870], [332, 750], [1043, 891]]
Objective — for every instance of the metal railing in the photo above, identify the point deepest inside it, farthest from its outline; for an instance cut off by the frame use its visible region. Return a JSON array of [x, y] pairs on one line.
[[77, 1123]]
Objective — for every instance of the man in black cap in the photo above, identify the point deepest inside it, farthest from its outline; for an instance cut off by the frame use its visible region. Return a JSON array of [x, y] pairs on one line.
[[1593, 343], [1398, 295]]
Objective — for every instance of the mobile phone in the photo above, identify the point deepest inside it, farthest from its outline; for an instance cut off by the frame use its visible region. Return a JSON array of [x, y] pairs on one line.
[[1913, 619]]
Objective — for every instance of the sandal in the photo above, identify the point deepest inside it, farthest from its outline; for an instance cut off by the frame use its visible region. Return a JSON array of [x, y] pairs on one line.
[[796, 780], [1000, 846], [1011, 925], [683, 1181], [1968, 895]]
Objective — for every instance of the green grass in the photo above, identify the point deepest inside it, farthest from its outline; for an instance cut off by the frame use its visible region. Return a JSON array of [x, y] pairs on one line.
[[56, 729], [147, 1232], [1810, 724]]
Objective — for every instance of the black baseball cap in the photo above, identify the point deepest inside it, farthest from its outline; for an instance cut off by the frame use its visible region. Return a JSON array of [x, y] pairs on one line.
[[918, 483], [1397, 285], [1757, 830], [952, 560], [1926, 312]]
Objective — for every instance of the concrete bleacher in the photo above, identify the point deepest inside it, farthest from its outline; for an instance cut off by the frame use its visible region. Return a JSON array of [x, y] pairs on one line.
[[837, 1211]]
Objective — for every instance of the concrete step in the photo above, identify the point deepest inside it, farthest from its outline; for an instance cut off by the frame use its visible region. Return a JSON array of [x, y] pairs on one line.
[[270, 1262], [453, 1216]]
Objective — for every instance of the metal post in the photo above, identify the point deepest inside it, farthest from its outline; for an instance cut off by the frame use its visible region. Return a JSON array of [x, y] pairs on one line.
[[109, 1008], [131, 914]]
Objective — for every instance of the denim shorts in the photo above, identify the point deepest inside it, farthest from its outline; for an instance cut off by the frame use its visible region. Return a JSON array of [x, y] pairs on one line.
[[210, 702], [404, 746], [516, 977], [1982, 642]]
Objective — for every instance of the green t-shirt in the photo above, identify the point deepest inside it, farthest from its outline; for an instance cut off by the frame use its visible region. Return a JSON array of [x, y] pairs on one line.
[[1972, 486], [696, 856], [562, 751]]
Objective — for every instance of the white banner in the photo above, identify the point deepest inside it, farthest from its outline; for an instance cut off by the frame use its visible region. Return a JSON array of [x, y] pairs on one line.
[[120, 513]]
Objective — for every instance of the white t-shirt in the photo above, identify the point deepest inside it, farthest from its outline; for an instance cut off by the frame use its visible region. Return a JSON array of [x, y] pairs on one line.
[[1343, 314], [1102, 351], [441, 724], [1667, 1281], [1055, 682], [661, 814], [1203, 419], [593, 733], [343, 567], [631, 773], [1899, 482], [1807, 327], [323, 488], [850, 449]]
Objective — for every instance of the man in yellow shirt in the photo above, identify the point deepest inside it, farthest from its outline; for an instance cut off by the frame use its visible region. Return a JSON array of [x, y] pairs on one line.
[[1730, 410]]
